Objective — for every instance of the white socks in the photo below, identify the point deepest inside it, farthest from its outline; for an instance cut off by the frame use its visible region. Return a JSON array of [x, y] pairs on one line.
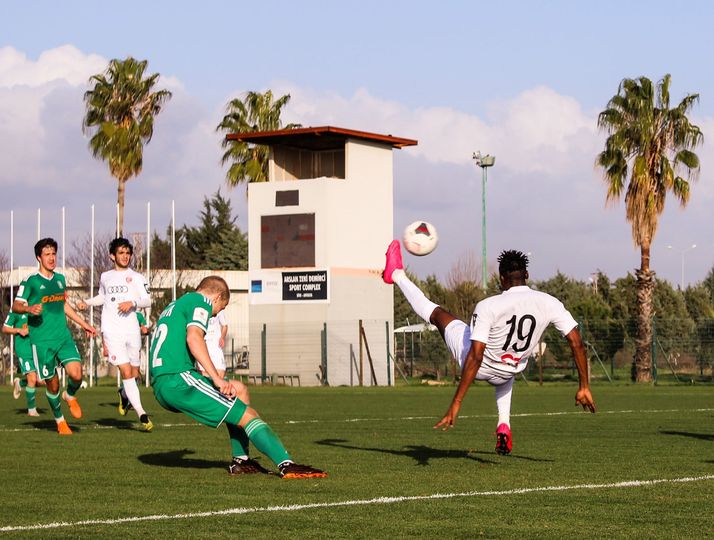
[[132, 392], [503, 402], [421, 305]]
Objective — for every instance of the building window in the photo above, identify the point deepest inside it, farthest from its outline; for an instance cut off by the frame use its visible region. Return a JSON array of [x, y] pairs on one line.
[[287, 241], [301, 164]]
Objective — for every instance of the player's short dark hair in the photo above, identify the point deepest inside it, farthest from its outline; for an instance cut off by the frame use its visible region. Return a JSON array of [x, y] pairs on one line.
[[43, 243], [115, 244], [512, 261], [215, 284]]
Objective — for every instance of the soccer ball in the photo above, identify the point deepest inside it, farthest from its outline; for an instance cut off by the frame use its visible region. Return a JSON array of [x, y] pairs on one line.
[[420, 238]]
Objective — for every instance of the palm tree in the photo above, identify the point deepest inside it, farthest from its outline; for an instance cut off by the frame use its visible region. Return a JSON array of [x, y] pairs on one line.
[[120, 112], [255, 112], [647, 147]]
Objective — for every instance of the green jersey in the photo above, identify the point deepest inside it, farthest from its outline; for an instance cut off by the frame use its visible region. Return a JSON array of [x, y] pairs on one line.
[[51, 324], [23, 348], [141, 319], [169, 352]]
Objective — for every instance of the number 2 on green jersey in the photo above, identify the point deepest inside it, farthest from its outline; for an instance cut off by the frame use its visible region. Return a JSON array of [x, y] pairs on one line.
[[160, 336]]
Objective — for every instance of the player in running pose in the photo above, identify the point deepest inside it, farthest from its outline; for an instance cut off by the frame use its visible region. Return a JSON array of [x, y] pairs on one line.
[[505, 329], [122, 291], [43, 297], [215, 341], [16, 324], [177, 344]]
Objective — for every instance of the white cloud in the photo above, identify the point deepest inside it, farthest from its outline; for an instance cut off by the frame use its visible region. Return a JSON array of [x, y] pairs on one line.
[[67, 64], [544, 194]]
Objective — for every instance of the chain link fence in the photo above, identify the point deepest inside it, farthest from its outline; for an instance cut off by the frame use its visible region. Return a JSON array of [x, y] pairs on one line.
[[683, 351]]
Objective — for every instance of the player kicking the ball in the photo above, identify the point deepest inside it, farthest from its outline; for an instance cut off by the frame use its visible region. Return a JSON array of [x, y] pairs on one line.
[[178, 342], [504, 331], [122, 291]]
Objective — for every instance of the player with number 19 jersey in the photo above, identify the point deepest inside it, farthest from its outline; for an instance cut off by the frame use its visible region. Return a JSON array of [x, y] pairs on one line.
[[169, 353], [512, 323]]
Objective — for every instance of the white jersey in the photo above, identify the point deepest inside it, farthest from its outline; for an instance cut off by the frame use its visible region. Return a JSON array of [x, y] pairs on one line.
[[115, 287], [512, 323], [215, 326]]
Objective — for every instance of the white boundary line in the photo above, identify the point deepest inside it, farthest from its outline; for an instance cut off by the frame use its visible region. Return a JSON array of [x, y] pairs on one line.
[[392, 419], [357, 502]]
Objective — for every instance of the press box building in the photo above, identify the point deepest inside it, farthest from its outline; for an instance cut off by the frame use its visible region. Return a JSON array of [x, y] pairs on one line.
[[318, 231]]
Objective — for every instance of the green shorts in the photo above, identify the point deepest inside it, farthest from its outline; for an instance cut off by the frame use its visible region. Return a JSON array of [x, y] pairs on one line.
[[48, 355], [25, 362], [193, 394]]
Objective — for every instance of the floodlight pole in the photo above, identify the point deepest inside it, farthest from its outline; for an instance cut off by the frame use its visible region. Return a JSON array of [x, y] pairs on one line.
[[484, 162], [682, 252]]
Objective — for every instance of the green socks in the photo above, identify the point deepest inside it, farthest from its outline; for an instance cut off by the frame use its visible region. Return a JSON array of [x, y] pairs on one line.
[[30, 395], [265, 440], [54, 400], [23, 383], [239, 441]]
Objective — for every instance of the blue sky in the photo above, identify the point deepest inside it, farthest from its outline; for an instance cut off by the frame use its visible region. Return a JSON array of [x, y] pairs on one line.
[[522, 80]]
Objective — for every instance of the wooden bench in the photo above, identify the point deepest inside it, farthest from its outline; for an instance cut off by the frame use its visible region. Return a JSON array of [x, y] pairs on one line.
[[275, 378], [285, 378]]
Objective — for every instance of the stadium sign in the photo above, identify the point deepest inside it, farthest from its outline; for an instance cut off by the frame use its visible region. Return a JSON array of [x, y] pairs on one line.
[[285, 287]]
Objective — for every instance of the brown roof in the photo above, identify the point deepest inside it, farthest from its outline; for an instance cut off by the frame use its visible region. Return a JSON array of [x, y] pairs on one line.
[[317, 138]]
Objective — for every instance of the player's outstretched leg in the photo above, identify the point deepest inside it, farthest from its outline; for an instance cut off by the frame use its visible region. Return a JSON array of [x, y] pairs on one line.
[[394, 273], [242, 463], [265, 440]]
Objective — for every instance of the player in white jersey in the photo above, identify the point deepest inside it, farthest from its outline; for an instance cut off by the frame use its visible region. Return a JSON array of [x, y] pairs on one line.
[[122, 291], [215, 341], [504, 331]]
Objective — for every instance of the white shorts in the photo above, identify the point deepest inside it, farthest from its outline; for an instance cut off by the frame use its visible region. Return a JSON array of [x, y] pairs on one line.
[[457, 336], [216, 354], [123, 348]]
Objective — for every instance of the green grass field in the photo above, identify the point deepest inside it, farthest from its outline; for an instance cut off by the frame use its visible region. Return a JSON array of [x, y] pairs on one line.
[[374, 443]]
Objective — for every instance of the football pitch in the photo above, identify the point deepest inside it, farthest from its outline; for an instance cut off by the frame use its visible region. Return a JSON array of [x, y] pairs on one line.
[[642, 467]]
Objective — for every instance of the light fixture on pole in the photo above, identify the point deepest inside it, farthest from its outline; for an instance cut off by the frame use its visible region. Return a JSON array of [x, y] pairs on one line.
[[682, 252], [484, 162]]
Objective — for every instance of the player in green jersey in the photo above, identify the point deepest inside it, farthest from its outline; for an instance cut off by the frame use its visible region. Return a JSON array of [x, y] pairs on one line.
[[16, 325], [42, 296], [177, 344]]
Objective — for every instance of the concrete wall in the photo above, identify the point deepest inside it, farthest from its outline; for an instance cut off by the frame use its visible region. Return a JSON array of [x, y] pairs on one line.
[[353, 226]]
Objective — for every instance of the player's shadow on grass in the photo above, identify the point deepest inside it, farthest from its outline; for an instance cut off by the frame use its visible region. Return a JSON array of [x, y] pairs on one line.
[[116, 423], [700, 436], [23, 412], [421, 454], [50, 425], [177, 458], [112, 404]]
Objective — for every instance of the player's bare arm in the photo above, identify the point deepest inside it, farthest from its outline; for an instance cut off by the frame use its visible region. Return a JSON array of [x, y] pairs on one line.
[[197, 345], [95, 301], [18, 306], [16, 331], [224, 333], [72, 315], [468, 374], [583, 396]]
